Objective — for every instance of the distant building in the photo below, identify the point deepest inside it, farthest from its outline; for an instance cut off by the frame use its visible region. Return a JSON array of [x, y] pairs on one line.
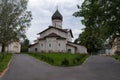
[[105, 50], [116, 44], [14, 47], [56, 39]]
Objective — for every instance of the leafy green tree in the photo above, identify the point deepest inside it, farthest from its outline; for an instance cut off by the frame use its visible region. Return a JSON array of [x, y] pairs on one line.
[[25, 45], [101, 17], [14, 20], [89, 39]]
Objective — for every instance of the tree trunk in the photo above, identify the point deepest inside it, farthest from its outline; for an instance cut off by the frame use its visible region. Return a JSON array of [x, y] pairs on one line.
[[3, 50], [3, 47]]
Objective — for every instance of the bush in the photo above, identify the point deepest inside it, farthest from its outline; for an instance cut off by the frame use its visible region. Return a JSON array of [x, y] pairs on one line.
[[117, 52], [65, 62], [117, 57]]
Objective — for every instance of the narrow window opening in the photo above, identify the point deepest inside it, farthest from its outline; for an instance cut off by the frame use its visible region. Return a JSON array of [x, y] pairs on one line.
[[41, 44], [36, 49], [49, 45], [59, 44]]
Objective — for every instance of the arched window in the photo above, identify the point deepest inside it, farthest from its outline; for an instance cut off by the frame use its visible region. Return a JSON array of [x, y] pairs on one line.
[[41, 44], [59, 44], [36, 49], [49, 45]]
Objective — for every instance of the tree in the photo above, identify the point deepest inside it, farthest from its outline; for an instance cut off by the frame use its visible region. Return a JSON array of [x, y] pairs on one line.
[[14, 20], [102, 17], [25, 45], [89, 39]]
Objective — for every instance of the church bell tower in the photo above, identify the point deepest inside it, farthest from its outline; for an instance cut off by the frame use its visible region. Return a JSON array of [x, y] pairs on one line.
[[57, 19]]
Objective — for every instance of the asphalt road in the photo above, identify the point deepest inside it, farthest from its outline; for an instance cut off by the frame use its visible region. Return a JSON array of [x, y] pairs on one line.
[[24, 67]]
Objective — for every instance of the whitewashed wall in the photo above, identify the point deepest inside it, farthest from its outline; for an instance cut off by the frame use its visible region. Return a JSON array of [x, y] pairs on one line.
[[42, 45], [69, 38], [32, 48], [52, 30], [14, 47], [61, 45], [57, 23], [71, 48], [80, 49], [52, 45]]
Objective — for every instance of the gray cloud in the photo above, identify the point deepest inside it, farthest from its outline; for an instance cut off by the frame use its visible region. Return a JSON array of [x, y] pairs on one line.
[[42, 10]]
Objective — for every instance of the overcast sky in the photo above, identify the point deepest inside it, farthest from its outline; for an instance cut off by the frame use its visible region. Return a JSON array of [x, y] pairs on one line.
[[42, 10]]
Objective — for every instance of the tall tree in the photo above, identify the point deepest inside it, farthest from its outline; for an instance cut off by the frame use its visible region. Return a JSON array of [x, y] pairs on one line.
[[89, 39], [25, 45], [101, 16], [14, 20]]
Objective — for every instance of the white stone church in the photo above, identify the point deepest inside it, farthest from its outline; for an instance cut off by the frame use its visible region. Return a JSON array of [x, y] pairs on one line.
[[56, 39]]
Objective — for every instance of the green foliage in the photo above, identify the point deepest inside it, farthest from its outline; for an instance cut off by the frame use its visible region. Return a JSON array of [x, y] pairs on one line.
[[117, 57], [4, 62], [91, 40], [60, 59], [65, 62], [25, 45], [102, 21], [117, 52], [14, 20]]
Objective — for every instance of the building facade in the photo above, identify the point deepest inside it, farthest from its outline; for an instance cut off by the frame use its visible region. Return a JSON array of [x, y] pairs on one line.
[[56, 39], [116, 44], [14, 47]]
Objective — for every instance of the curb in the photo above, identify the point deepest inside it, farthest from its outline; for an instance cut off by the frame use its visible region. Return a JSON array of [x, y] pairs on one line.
[[5, 70], [86, 60]]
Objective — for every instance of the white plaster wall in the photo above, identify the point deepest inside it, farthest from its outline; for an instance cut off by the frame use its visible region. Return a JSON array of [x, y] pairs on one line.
[[52, 45], [32, 49], [114, 49], [80, 49], [14, 47], [42, 45], [72, 49], [69, 38], [52, 30], [55, 47], [57, 23], [61, 45]]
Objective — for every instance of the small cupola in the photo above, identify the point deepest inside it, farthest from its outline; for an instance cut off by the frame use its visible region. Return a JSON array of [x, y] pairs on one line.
[[57, 19], [57, 15]]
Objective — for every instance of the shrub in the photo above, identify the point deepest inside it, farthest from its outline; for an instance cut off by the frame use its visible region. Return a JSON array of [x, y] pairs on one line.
[[65, 62], [117, 52]]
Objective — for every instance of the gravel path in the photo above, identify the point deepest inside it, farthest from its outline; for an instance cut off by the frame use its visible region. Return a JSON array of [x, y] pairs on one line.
[[24, 67]]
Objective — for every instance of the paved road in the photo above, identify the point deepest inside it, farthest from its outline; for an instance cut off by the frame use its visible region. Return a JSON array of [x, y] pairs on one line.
[[24, 67]]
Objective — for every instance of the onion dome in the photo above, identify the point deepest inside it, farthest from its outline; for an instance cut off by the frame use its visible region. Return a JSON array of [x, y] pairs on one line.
[[57, 15]]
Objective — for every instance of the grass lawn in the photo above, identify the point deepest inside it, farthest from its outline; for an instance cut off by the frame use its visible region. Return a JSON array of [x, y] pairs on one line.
[[61, 59], [117, 57], [4, 62]]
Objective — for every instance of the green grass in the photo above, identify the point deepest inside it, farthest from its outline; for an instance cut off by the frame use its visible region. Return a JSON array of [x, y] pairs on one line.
[[61, 59], [117, 57], [4, 62]]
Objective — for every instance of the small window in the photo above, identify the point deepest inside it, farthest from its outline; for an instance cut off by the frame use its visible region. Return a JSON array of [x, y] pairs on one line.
[[69, 50], [49, 45], [59, 44], [36, 50]]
